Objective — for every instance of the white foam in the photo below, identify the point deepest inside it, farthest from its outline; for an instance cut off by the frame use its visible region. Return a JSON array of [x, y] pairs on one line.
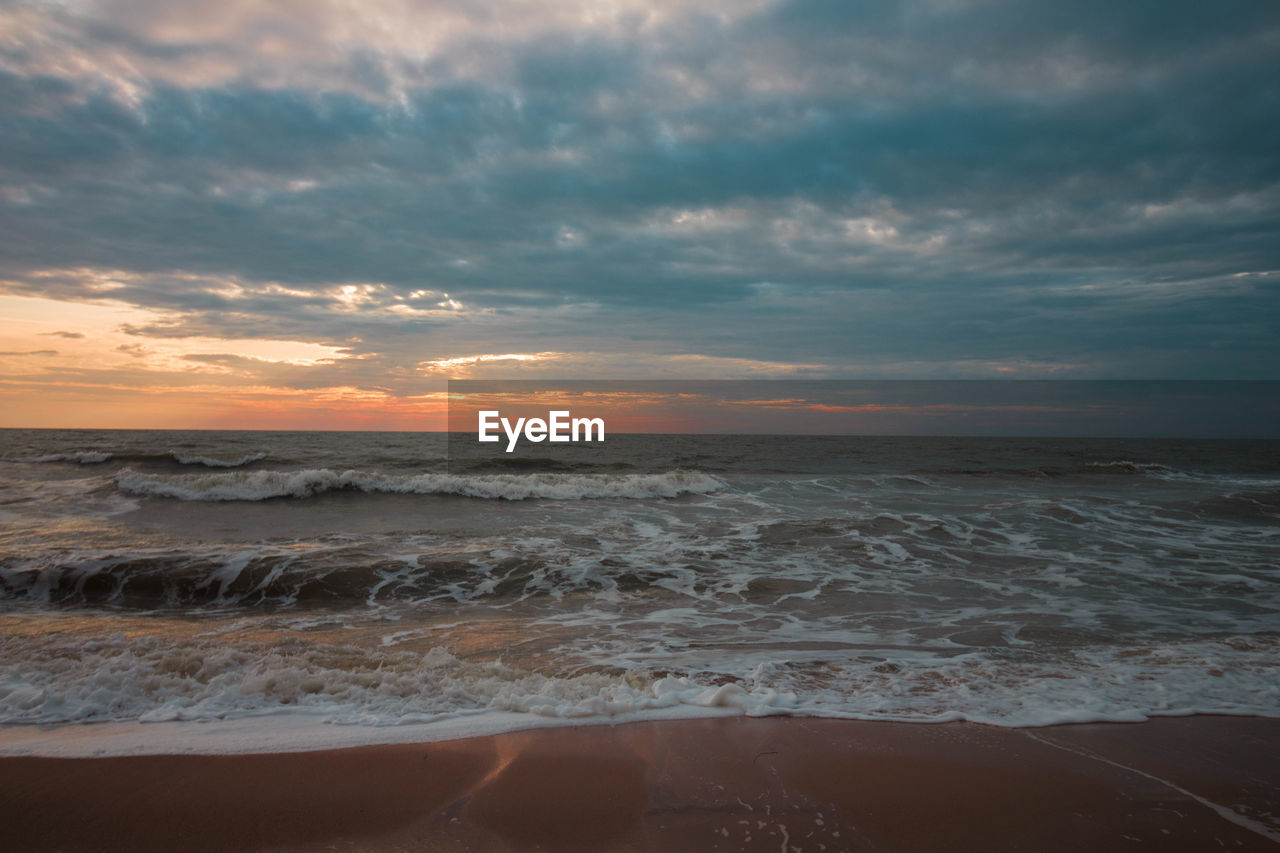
[[1130, 465], [359, 693], [261, 485], [216, 461], [291, 731]]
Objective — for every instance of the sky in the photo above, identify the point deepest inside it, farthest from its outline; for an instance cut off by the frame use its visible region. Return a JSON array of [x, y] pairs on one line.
[[311, 214]]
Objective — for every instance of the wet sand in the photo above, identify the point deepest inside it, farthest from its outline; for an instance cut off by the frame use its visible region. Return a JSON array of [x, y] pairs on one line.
[[1195, 784]]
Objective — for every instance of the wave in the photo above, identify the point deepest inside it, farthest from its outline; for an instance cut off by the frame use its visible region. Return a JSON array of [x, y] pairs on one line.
[[262, 485], [330, 572], [52, 681], [85, 457], [1246, 505], [1130, 465], [152, 679], [246, 578], [97, 457], [216, 461], [1058, 471]]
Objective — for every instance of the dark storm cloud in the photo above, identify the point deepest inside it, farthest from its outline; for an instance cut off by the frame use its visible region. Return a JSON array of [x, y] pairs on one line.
[[859, 185]]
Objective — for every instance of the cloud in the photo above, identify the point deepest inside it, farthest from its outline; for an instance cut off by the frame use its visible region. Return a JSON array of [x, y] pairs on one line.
[[896, 189]]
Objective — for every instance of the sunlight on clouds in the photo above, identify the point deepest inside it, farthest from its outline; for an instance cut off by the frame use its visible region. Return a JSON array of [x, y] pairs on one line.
[[353, 296], [597, 364], [279, 352], [441, 365], [371, 299], [91, 333]]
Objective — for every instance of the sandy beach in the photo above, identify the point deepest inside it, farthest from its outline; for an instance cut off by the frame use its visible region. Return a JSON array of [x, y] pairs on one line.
[[1196, 783]]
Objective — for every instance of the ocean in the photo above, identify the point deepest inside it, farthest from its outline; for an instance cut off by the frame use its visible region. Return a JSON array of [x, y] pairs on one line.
[[230, 591]]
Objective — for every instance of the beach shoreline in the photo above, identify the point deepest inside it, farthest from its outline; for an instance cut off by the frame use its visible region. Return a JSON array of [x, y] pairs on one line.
[[1172, 783]]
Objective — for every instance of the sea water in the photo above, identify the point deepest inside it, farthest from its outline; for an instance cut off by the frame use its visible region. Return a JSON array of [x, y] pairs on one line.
[[242, 591]]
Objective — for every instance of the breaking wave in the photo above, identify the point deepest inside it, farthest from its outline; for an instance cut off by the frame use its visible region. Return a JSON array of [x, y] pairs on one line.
[[84, 457], [216, 461], [262, 485], [157, 679], [97, 457], [153, 680], [1130, 465]]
